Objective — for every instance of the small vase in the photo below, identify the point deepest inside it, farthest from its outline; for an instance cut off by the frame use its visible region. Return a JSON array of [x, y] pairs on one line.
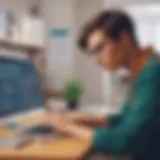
[[72, 105]]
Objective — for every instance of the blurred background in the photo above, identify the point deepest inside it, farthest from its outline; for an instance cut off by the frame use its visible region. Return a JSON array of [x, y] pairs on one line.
[[45, 32]]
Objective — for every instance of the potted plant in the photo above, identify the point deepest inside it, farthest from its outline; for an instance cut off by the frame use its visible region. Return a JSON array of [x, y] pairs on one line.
[[72, 92]]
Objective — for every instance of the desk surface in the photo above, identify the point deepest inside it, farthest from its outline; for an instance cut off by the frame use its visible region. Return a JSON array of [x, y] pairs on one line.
[[53, 148]]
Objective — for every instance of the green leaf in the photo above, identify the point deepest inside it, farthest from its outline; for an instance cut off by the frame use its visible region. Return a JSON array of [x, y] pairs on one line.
[[73, 90]]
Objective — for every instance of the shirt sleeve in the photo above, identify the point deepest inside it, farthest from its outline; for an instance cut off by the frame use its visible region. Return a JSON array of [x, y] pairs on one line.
[[123, 138], [114, 119]]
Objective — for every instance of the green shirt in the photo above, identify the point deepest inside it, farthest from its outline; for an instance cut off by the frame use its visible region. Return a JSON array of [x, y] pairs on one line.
[[136, 130]]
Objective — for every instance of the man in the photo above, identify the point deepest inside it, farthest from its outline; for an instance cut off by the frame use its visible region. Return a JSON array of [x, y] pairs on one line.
[[135, 132]]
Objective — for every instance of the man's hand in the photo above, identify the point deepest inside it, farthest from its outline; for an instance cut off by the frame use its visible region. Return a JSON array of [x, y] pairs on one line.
[[58, 121], [87, 120], [65, 125]]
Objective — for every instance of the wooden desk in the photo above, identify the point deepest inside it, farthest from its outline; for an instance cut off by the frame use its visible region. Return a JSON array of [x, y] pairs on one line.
[[66, 148]]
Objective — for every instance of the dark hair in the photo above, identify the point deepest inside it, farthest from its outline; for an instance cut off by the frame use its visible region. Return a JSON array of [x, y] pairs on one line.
[[111, 22]]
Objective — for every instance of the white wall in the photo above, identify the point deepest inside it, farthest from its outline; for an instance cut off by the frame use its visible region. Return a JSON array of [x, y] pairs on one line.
[[17, 7], [121, 3], [85, 67], [72, 14], [58, 14]]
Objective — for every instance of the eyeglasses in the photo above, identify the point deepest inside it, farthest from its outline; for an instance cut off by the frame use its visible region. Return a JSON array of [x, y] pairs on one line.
[[99, 48]]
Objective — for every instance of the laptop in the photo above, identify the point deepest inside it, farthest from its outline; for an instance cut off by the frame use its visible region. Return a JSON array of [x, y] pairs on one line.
[[21, 95]]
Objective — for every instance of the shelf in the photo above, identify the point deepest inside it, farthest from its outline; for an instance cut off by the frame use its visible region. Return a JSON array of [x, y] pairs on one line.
[[17, 45]]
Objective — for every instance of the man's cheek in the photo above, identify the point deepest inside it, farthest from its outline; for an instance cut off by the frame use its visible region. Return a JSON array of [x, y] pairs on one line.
[[111, 52], [101, 59]]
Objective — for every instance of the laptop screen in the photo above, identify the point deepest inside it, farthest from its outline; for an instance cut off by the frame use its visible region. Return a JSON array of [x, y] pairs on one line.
[[20, 87]]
